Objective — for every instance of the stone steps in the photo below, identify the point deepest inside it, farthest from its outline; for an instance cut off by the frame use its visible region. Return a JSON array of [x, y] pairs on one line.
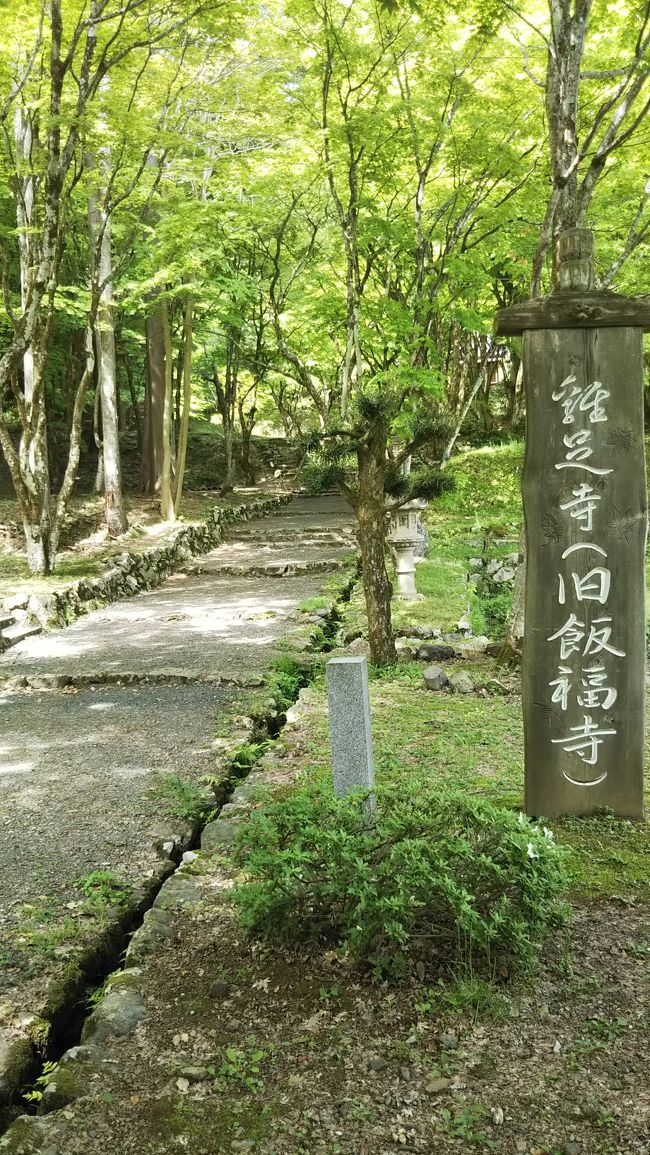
[[16, 631], [281, 535], [271, 569]]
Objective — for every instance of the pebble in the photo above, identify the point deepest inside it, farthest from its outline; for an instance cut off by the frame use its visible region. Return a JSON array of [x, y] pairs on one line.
[[195, 1074], [219, 989], [448, 1040], [572, 1147], [378, 1064], [435, 1086]]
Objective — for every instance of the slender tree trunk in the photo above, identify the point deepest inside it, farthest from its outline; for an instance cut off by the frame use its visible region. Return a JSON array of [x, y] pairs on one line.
[[100, 229], [97, 411], [448, 450], [166, 502], [152, 454], [226, 402], [246, 425], [116, 522], [187, 397], [371, 534], [24, 217], [33, 454], [134, 403], [229, 480]]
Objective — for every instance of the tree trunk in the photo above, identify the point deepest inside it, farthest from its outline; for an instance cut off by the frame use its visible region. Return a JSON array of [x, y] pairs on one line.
[[226, 402], [514, 640], [228, 481], [166, 502], [371, 457], [116, 522], [100, 228], [24, 217], [449, 448], [152, 454], [134, 403], [187, 397], [246, 425], [99, 475], [38, 559]]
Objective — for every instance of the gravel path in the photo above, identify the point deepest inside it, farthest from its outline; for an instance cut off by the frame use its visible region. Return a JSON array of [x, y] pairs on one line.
[[77, 766]]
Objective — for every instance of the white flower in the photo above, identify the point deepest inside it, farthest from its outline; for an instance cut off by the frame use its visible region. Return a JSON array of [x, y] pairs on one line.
[[531, 852], [548, 834], [521, 819]]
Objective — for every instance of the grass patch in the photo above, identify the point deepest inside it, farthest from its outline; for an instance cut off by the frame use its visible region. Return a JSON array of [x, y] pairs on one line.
[[487, 485], [181, 798]]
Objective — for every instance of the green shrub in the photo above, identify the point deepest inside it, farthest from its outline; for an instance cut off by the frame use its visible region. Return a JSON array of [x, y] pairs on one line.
[[246, 756], [285, 681], [318, 475], [438, 870]]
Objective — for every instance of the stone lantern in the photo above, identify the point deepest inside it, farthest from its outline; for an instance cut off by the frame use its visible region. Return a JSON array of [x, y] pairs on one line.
[[403, 536]]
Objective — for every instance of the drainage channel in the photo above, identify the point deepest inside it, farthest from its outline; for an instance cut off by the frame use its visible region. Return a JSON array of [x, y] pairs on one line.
[[68, 1002]]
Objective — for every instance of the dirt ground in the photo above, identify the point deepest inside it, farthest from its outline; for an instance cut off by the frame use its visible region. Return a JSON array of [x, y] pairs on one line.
[[248, 1049]]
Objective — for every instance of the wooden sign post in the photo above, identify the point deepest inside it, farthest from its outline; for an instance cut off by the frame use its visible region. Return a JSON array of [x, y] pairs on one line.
[[585, 512]]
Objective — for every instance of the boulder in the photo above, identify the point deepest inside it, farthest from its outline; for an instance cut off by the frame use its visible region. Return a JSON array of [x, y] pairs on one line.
[[433, 653], [218, 835], [16, 1060], [118, 1014], [461, 683], [435, 678]]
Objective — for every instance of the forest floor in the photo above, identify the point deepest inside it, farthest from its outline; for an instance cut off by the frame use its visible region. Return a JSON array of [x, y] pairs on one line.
[[86, 549]]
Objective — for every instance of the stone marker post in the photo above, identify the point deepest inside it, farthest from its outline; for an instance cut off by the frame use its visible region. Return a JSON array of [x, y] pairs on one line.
[[349, 717], [585, 507]]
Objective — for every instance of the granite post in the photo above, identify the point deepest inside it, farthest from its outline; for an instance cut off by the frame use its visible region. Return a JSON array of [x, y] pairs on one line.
[[585, 513], [350, 730]]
